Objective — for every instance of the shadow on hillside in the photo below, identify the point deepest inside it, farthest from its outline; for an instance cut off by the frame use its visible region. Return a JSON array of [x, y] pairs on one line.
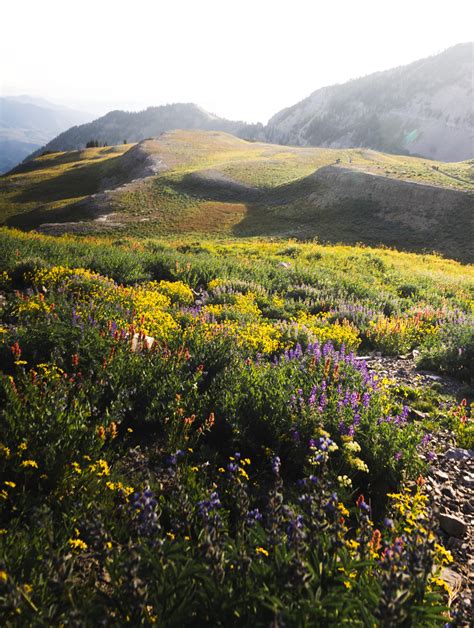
[[303, 209]]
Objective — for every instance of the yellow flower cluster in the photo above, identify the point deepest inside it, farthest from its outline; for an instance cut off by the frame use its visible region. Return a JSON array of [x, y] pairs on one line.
[[33, 305], [118, 486], [176, 291], [322, 330], [405, 331]]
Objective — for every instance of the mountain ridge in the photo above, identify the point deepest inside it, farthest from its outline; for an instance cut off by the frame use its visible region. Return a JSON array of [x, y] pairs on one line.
[[421, 109], [212, 182], [404, 110]]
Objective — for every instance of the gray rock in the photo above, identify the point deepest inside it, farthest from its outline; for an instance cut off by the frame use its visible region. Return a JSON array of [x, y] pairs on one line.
[[454, 526], [456, 453], [442, 475], [468, 481]]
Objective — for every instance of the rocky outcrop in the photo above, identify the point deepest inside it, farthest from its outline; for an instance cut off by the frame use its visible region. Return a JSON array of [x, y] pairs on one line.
[[424, 108]]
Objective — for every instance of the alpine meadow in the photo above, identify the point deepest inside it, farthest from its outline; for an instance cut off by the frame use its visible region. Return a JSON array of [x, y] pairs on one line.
[[237, 358]]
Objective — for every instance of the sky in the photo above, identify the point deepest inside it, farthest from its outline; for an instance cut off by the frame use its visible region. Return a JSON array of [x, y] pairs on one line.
[[239, 59]]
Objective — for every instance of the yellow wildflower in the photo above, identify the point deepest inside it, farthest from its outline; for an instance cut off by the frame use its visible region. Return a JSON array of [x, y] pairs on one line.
[[262, 550], [29, 463], [77, 544]]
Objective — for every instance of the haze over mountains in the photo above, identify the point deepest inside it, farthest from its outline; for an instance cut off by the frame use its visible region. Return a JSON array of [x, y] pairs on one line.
[[27, 123], [424, 108]]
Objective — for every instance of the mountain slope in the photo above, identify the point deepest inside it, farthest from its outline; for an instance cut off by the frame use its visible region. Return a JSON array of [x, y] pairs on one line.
[[119, 126], [27, 123], [425, 108], [213, 182]]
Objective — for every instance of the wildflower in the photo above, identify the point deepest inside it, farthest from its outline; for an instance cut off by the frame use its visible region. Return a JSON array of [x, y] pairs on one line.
[[102, 468], [113, 430], [344, 481], [144, 504], [443, 555], [3, 576], [362, 504], [253, 516], [352, 446], [10, 484], [243, 473], [343, 510], [76, 467], [29, 463], [78, 544], [376, 541], [360, 465], [262, 550]]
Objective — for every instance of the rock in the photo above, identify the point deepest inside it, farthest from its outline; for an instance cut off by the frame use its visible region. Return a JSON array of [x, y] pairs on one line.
[[442, 475], [416, 414], [453, 580], [139, 343], [468, 509], [284, 264], [468, 481], [435, 378], [454, 526], [456, 453]]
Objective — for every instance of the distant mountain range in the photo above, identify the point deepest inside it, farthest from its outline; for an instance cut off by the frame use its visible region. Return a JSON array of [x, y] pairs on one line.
[[423, 109], [27, 123], [118, 127]]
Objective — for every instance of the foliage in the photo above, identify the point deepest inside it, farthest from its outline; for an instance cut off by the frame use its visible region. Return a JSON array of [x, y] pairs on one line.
[[186, 439]]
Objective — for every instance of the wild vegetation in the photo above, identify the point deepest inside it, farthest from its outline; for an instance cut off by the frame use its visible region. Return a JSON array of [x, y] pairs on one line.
[[190, 438]]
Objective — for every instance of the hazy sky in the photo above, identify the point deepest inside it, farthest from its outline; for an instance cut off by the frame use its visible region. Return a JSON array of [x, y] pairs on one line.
[[237, 58]]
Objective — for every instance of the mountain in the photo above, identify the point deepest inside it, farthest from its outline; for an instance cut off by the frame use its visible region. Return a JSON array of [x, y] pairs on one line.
[[207, 182], [425, 109], [27, 123], [121, 126]]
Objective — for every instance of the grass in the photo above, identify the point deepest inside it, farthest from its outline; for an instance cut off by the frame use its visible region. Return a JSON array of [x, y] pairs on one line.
[[216, 183]]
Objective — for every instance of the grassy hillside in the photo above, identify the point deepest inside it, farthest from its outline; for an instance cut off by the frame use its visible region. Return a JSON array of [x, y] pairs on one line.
[[210, 182]]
